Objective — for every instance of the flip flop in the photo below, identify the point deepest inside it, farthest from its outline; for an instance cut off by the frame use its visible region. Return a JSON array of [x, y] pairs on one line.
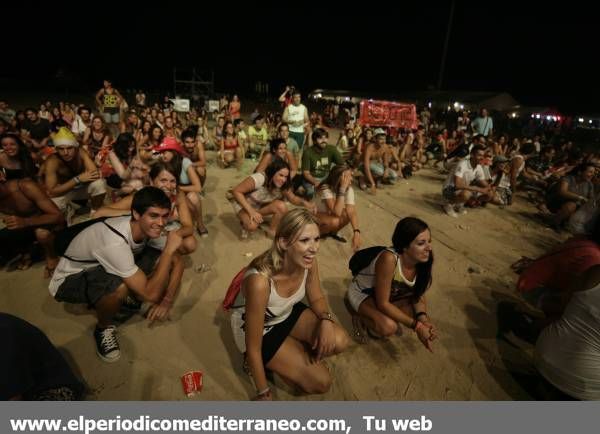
[[48, 272], [202, 232], [13, 264], [360, 332], [337, 237]]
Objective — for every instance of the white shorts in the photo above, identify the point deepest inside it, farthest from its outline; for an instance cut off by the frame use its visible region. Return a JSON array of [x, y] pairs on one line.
[[84, 191], [355, 297]]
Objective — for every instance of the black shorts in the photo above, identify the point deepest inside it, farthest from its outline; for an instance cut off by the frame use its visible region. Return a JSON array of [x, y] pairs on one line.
[[90, 285], [15, 241], [273, 339]]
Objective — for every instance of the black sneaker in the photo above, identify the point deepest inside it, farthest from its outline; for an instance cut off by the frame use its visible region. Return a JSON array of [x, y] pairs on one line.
[[107, 346], [130, 307]]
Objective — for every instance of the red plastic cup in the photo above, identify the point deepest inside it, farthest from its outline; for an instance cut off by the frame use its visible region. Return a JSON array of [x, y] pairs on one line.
[[192, 383]]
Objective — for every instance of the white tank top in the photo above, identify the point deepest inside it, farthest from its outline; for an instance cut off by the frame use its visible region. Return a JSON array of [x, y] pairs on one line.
[[278, 309], [567, 352], [296, 114], [401, 287]]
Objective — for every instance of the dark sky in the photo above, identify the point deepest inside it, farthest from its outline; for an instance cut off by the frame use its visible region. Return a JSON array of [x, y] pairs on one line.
[[542, 54]]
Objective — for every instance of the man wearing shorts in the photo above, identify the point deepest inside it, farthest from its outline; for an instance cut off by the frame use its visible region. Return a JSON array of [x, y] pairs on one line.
[[71, 175], [465, 181], [111, 261], [109, 99]]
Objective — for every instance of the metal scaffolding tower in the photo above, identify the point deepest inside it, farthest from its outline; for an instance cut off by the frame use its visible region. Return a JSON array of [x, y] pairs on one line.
[[189, 83]]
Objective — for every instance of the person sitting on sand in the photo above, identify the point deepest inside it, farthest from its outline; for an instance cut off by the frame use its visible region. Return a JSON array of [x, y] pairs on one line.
[[29, 215], [262, 194], [70, 174], [195, 149], [16, 161], [465, 181], [163, 176], [172, 152], [257, 137], [230, 150], [390, 291], [278, 150], [376, 163], [336, 206], [572, 191], [272, 327], [119, 259], [318, 160]]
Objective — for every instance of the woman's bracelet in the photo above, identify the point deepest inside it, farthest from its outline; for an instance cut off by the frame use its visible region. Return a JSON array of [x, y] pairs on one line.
[[418, 314], [263, 392]]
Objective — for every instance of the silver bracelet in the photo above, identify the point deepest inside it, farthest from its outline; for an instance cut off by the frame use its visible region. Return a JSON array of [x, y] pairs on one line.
[[262, 392]]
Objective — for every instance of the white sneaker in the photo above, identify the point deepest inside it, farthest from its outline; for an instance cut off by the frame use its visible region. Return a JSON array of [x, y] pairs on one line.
[[460, 209], [449, 209]]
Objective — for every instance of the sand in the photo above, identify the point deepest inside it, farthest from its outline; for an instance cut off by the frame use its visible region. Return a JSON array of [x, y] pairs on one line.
[[468, 362]]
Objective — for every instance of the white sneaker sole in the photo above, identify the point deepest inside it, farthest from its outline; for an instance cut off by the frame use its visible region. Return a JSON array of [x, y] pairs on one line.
[[109, 359]]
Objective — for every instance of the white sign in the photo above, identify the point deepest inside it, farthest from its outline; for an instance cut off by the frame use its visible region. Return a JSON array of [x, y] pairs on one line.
[[181, 105], [213, 105]]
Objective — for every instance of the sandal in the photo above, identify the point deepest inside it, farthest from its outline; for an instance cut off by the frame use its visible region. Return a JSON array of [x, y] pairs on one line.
[[360, 332], [48, 272], [25, 263], [336, 237]]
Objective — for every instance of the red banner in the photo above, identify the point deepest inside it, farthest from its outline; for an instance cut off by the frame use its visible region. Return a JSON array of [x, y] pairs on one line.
[[388, 114]]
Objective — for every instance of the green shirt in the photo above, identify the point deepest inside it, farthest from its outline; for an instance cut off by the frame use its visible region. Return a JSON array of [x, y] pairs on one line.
[[319, 163], [292, 146]]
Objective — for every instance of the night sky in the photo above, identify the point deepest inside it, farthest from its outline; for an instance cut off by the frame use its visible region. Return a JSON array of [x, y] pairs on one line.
[[541, 54]]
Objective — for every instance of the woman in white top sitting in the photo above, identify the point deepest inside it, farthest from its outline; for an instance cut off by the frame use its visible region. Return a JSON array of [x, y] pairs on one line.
[[271, 325], [567, 352], [390, 291], [336, 205], [262, 194]]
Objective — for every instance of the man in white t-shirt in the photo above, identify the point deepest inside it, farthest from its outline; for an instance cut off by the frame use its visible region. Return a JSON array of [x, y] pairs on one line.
[[111, 264], [82, 122], [296, 116], [465, 180]]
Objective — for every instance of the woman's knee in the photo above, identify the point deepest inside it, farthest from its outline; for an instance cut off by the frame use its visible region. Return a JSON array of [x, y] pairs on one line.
[[189, 245], [342, 340], [279, 207], [316, 380], [249, 225], [43, 235], [192, 197], [386, 327]]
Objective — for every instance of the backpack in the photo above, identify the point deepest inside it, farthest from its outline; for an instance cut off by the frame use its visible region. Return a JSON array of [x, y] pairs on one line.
[[362, 258], [234, 290], [66, 236]]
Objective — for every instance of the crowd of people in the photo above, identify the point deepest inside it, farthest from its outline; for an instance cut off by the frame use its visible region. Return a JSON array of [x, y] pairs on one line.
[[138, 173]]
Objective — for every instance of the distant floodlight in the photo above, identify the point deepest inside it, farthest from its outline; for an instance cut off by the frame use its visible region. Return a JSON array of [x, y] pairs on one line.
[[456, 105], [537, 116], [532, 116], [462, 107], [590, 121], [513, 115], [581, 120]]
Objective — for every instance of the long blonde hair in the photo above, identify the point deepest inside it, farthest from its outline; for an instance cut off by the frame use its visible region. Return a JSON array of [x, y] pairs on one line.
[[290, 227]]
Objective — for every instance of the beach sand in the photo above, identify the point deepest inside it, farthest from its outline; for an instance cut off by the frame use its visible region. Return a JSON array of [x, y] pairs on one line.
[[471, 274]]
